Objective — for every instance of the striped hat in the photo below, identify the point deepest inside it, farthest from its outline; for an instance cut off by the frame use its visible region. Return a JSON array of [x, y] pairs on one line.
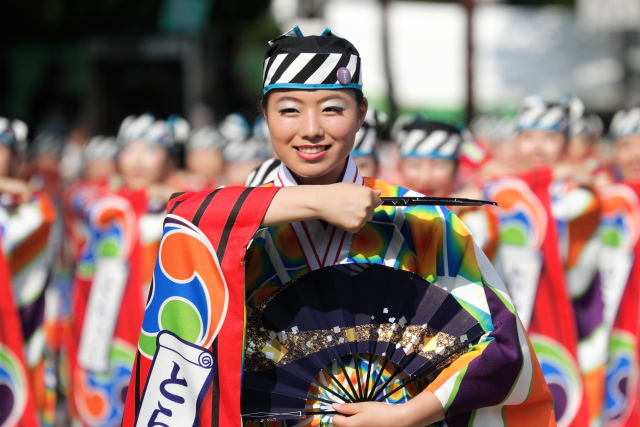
[[327, 61], [367, 138], [587, 126], [205, 138], [581, 123], [147, 128], [492, 129], [538, 114], [625, 123], [100, 148], [242, 144], [417, 137]]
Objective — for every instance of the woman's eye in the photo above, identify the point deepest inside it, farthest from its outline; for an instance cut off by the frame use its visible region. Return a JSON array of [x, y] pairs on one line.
[[334, 109], [287, 111]]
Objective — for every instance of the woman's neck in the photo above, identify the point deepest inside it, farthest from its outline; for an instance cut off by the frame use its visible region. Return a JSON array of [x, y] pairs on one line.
[[331, 177]]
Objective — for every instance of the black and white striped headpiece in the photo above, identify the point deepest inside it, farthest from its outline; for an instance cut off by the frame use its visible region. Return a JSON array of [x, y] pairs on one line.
[[101, 148], [417, 137], [327, 61], [366, 143], [538, 114], [625, 123], [242, 144], [147, 128], [13, 133], [492, 129], [205, 138]]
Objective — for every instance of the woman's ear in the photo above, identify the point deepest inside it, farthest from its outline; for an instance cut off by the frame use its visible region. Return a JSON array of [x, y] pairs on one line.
[[362, 111]]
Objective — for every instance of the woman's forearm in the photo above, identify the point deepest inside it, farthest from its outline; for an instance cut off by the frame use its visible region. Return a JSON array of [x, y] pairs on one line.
[[424, 409], [345, 205], [291, 204]]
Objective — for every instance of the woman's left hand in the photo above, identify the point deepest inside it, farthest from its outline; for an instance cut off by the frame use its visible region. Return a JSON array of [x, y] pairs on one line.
[[369, 414], [422, 410]]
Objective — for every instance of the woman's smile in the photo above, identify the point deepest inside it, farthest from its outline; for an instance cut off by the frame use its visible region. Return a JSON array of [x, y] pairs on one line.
[[312, 152]]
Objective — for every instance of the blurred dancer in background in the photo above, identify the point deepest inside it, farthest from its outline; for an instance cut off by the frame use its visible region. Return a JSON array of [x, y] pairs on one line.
[[114, 268], [99, 159], [586, 132], [26, 262], [204, 162], [429, 152], [365, 149], [430, 160], [548, 254], [245, 148], [620, 225]]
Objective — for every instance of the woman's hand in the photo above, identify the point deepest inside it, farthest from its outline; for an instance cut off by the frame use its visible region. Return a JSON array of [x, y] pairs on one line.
[[422, 410], [345, 205], [572, 171]]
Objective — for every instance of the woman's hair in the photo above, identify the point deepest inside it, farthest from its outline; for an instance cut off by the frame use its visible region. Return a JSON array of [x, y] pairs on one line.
[[264, 103]]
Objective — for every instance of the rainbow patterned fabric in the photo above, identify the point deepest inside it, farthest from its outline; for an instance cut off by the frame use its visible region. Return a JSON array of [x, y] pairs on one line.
[[496, 381]]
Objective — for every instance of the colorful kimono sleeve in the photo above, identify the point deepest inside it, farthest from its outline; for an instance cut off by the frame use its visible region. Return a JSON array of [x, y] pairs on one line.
[[498, 381], [189, 363], [29, 224]]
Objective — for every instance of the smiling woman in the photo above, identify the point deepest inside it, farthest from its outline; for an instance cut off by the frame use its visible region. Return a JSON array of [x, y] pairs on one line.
[[321, 216]]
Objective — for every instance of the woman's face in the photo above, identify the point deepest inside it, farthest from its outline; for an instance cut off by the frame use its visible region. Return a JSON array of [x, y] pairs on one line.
[[367, 165], [206, 163], [579, 148], [627, 157], [536, 148], [431, 177], [141, 164], [313, 131]]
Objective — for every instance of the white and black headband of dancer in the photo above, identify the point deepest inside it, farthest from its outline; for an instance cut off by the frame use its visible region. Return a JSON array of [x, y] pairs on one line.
[[242, 143], [327, 61], [13, 134], [625, 123], [160, 132], [581, 123], [417, 137], [367, 138], [536, 113]]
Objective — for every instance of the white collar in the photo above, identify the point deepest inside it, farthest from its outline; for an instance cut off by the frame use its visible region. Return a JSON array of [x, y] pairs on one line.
[[286, 179]]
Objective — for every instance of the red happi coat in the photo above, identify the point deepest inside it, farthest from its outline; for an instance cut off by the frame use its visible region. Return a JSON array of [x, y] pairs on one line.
[[622, 403], [16, 400], [549, 315], [97, 397], [212, 230]]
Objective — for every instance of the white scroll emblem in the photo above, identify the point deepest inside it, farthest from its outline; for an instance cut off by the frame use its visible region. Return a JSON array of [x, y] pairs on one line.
[[178, 380]]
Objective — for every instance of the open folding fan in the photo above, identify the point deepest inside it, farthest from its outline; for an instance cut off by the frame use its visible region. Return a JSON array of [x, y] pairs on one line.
[[348, 333]]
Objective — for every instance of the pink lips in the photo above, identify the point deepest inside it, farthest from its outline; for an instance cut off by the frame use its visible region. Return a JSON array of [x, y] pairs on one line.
[[314, 156]]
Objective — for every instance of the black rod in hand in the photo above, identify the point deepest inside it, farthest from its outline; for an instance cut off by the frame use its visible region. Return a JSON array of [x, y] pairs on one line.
[[433, 201]]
